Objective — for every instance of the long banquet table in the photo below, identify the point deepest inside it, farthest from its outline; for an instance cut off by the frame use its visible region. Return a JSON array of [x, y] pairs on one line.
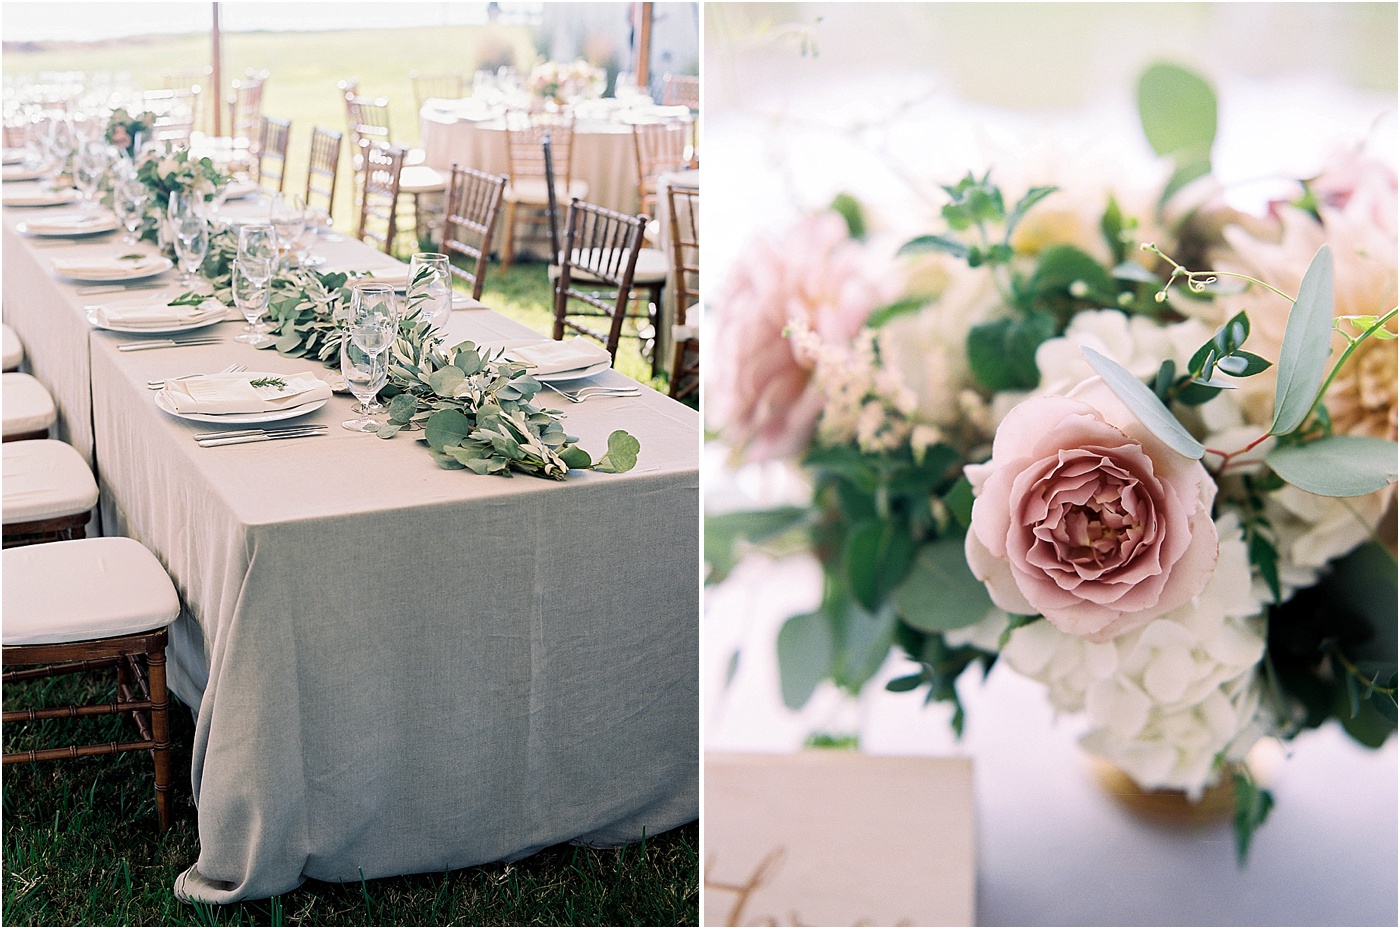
[[394, 668]]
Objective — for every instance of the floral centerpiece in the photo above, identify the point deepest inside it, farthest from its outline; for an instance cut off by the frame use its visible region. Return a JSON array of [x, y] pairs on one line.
[[164, 174], [552, 80], [123, 128], [1038, 435]]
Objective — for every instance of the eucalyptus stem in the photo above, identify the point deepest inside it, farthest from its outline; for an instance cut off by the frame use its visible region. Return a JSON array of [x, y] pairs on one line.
[[1355, 672], [1197, 281], [1352, 345]]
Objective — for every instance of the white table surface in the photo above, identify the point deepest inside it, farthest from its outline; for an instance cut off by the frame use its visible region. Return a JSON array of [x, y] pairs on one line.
[[396, 668]]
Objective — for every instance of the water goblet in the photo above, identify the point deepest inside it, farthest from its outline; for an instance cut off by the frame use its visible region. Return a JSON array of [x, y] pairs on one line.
[[129, 200], [191, 244], [288, 217], [89, 164], [365, 374], [251, 295], [374, 317], [429, 296], [179, 206], [257, 250]]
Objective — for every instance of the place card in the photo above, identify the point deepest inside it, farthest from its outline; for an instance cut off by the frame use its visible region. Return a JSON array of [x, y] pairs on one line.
[[836, 838]]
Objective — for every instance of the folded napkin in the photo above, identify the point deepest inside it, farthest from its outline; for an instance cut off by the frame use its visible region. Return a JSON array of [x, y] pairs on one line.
[[115, 265], [236, 190], [70, 222], [41, 198], [235, 393], [20, 172], [558, 357], [13, 156], [396, 276], [143, 314]]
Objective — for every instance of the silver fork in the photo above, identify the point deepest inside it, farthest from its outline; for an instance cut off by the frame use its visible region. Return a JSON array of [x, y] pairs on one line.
[[588, 393], [157, 385]]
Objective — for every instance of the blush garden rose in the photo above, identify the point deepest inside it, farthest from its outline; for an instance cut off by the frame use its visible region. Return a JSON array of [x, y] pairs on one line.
[[1084, 517]]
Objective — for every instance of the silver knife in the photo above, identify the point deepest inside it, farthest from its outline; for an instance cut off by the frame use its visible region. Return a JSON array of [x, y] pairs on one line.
[[165, 343], [262, 437], [120, 288]]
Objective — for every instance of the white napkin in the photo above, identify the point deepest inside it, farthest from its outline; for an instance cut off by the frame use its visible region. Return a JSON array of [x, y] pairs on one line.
[[397, 275], [141, 314], [557, 357], [235, 393], [115, 265], [20, 172], [69, 222], [41, 198], [237, 190]]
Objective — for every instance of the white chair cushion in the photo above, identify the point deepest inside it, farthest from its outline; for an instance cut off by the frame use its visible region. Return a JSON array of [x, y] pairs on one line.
[[421, 179], [14, 349], [651, 268], [27, 404], [84, 589], [534, 191], [44, 479], [685, 333]]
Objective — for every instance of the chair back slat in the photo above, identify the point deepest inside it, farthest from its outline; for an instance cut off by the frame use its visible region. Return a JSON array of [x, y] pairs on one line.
[[681, 90], [473, 203], [272, 152], [447, 85], [245, 106], [525, 156], [379, 194], [684, 205], [323, 168], [660, 148]]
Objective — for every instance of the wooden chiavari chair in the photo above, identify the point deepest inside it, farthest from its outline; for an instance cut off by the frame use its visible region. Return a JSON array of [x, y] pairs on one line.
[[272, 152], [473, 203], [443, 85], [323, 168], [661, 149], [684, 206], [379, 195], [680, 90], [595, 272], [527, 194]]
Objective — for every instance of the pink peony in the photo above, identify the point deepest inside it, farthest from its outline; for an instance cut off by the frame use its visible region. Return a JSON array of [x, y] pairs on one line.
[[785, 300], [1085, 517]]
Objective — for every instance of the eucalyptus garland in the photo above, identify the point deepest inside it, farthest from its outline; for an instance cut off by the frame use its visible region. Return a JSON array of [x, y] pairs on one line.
[[477, 412]]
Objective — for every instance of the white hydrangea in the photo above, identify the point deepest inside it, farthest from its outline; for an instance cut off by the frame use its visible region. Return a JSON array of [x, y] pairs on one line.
[[1165, 700]]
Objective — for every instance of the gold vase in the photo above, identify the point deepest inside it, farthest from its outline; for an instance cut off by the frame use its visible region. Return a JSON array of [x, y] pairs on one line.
[[1167, 807]]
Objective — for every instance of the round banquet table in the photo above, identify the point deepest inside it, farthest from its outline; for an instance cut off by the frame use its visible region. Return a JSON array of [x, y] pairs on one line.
[[472, 135]]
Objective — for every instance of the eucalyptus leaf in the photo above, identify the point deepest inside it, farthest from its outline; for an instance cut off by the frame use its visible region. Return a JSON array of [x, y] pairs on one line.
[[851, 211], [805, 652], [576, 457], [447, 427], [1144, 405], [876, 559], [622, 454], [1337, 466], [940, 592], [1178, 112], [934, 243], [1307, 343]]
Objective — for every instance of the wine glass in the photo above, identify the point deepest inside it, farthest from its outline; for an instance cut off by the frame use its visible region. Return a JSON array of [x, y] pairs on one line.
[[251, 295], [179, 206], [257, 250], [430, 288], [374, 317], [288, 217], [89, 164], [365, 374], [191, 244], [129, 200]]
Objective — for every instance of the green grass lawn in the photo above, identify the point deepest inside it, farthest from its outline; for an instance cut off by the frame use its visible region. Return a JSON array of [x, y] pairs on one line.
[[81, 849]]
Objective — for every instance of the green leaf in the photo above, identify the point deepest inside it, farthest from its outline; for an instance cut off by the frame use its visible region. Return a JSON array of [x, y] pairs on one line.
[[1062, 266], [941, 592], [934, 243], [622, 454], [402, 408], [1361, 720], [852, 212], [1024, 205], [959, 500], [877, 557], [1145, 405], [445, 380], [576, 457], [1016, 622], [1337, 466], [388, 430], [1264, 556], [446, 427], [726, 533], [894, 311], [1132, 271], [1243, 364], [1002, 353], [1307, 343], [901, 685], [805, 655], [1252, 806], [1178, 112]]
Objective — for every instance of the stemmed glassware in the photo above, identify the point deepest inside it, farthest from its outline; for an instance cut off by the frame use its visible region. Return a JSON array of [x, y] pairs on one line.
[[191, 245], [255, 263], [430, 288], [372, 326], [89, 164], [129, 200], [251, 294], [288, 217]]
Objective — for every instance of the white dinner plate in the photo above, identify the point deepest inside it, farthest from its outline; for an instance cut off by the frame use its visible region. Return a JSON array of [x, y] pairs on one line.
[[137, 273], [240, 419], [197, 323], [42, 198], [95, 225], [13, 156], [20, 173]]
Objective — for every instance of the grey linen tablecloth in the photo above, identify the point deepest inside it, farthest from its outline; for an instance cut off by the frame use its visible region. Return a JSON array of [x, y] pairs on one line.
[[397, 668]]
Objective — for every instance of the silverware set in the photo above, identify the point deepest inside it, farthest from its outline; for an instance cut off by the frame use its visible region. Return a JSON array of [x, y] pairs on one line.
[[167, 343], [588, 393], [120, 288], [157, 385], [244, 436]]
